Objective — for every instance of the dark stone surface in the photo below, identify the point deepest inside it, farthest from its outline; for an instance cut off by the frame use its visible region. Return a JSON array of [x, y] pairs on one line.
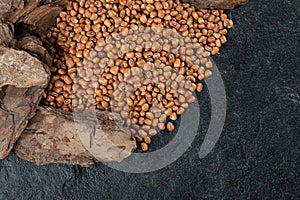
[[258, 154]]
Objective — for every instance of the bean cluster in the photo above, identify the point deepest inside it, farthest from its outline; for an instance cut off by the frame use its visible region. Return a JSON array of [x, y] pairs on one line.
[[141, 58]]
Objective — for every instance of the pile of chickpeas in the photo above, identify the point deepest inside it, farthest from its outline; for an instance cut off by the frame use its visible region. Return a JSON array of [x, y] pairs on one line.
[[144, 59]]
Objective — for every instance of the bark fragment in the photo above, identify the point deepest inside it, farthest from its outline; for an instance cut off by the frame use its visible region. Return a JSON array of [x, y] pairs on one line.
[[42, 18], [35, 47], [22, 80], [53, 137], [38, 15], [7, 6], [14, 13], [17, 107], [20, 69], [222, 4], [6, 34]]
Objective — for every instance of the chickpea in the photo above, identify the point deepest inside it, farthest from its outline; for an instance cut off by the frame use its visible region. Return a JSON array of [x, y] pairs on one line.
[[170, 126]]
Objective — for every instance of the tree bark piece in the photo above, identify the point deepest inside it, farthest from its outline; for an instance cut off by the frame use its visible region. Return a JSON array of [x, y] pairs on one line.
[[42, 18], [6, 34], [9, 6], [17, 107], [53, 137], [222, 4], [20, 69], [38, 15], [34, 46], [22, 80], [14, 13]]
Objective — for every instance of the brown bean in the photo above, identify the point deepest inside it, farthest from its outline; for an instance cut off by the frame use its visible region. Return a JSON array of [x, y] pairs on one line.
[[208, 73], [177, 63], [215, 50], [144, 146], [58, 84], [223, 39], [147, 140], [67, 80], [149, 115], [70, 63], [152, 132], [142, 133], [180, 111], [105, 104], [161, 126], [148, 121], [223, 31], [173, 116], [50, 98], [143, 18], [163, 118], [114, 70], [170, 126], [60, 99], [145, 107], [199, 87], [228, 23]]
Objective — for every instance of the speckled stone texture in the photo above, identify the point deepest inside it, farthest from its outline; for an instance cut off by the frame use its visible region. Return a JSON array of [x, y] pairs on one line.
[[258, 154]]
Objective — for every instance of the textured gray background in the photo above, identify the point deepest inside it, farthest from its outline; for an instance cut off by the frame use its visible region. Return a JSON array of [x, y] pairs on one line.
[[258, 154]]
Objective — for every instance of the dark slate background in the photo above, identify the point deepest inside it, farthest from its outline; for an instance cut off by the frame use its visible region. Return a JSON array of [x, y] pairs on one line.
[[258, 154]]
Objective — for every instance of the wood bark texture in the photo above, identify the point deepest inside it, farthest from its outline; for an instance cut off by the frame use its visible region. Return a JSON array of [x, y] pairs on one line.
[[222, 4], [22, 81], [52, 137]]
